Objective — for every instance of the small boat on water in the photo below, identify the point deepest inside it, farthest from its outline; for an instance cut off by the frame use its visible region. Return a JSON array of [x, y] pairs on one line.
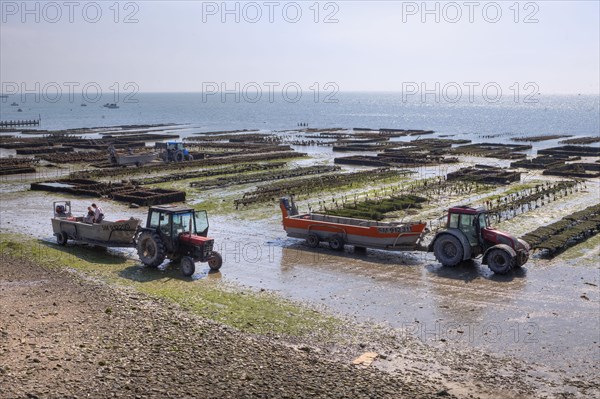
[[19, 110], [83, 104], [14, 104], [111, 106]]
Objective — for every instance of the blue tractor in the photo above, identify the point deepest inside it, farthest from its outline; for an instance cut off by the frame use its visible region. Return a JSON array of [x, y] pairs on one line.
[[174, 151]]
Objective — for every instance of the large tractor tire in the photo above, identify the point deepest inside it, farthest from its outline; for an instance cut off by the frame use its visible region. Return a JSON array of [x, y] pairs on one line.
[[188, 266], [215, 261], [151, 249], [500, 262], [448, 250]]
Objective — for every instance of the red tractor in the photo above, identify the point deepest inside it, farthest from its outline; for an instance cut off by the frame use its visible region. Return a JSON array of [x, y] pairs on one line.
[[180, 234], [468, 234]]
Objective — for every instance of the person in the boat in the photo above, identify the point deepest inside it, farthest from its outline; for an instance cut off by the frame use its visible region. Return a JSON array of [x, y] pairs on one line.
[[98, 213], [90, 216]]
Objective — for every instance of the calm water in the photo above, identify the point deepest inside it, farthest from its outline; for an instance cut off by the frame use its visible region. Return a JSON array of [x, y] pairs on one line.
[[576, 115]]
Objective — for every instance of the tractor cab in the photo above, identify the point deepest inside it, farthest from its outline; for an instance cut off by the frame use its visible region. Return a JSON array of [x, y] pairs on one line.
[[174, 151], [175, 222], [472, 222], [177, 233]]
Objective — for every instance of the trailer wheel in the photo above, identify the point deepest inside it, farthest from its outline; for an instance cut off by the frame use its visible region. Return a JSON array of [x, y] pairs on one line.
[[62, 238], [215, 261], [312, 240], [179, 156], [448, 250], [500, 262], [151, 249], [336, 243], [188, 266]]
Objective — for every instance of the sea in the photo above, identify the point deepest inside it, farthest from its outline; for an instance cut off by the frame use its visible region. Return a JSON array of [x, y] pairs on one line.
[[477, 119]]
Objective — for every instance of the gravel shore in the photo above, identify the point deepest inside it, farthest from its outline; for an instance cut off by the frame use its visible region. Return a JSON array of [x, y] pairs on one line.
[[65, 335]]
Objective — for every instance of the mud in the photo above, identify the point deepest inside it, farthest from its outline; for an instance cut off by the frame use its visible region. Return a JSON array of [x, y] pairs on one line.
[[260, 177], [124, 191], [545, 137], [485, 174], [74, 157], [494, 150], [581, 140], [13, 166], [312, 184], [161, 167], [567, 232], [511, 205], [543, 161], [572, 150], [580, 170]]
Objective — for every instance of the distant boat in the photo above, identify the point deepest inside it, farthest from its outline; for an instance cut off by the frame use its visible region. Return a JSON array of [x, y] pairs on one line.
[[83, 104], [19, 110], [111, 106], [14, 105]]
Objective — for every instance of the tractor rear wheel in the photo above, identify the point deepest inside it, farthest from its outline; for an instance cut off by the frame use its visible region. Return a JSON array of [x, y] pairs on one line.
[[312, 240], [215, 261], [500, 261], [188, 266], [448, 250], [151, 249], [336, 243], [62, 238]]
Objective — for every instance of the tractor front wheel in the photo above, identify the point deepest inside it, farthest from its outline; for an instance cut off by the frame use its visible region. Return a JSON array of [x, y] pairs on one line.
[[188, 266], [215, 261], [448, 250], [151, 249], [500, 261]]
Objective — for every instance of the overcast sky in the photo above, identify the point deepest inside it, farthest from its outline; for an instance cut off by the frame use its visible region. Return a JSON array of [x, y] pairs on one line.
[[378, 46]]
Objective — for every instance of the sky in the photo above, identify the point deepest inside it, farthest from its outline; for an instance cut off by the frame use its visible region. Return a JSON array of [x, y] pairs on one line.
[[191, 46]]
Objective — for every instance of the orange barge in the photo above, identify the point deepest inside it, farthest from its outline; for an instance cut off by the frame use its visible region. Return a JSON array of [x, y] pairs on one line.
[[340, 231]]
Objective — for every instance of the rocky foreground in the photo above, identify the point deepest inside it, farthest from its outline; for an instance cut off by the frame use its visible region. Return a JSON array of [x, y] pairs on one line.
[[63, 335]]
